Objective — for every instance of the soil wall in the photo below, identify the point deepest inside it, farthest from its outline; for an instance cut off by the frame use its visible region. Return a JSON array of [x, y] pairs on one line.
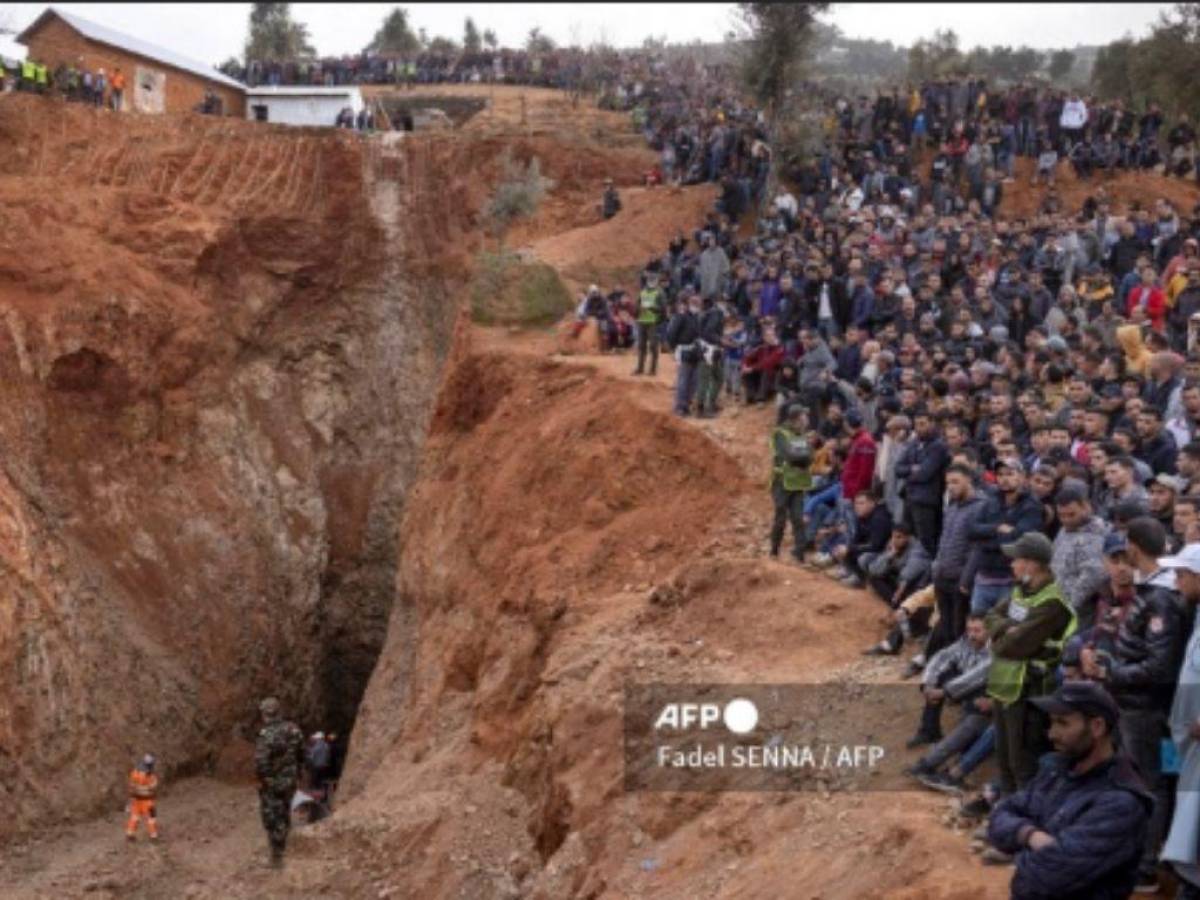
[[217, 358]]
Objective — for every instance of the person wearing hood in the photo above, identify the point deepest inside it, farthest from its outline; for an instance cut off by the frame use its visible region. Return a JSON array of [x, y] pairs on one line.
[[1137, 357], [816, 367], [713, 268]]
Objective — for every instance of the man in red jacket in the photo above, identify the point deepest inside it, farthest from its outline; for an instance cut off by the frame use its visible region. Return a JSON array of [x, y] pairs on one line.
[[1150, 297], [860, 458]]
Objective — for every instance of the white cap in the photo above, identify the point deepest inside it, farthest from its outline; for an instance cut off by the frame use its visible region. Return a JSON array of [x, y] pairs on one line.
[[1187, 558], [318, 736]]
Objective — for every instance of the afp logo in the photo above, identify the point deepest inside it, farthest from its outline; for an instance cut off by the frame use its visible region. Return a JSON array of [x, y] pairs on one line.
[[739, 716]]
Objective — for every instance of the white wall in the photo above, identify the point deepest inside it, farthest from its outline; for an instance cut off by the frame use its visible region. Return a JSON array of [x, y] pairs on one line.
[[303, 110]]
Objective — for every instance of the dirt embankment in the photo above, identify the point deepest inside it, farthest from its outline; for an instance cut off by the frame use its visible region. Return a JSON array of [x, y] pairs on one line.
[[566, 538], [215, 369]]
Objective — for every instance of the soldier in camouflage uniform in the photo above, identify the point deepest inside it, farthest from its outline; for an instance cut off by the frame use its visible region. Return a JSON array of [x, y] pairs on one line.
[[278, 758]]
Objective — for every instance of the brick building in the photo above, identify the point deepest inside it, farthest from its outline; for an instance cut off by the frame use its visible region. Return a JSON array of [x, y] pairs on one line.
[[157, 80]]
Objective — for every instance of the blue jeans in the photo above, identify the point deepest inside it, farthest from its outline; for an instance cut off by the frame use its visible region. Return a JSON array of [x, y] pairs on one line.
[[826, 496], [985, 596], [827, 328], [685, 386], [978, 751]]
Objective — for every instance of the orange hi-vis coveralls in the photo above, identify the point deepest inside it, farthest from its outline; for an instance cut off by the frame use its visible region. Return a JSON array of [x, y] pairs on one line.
[[143, 788]]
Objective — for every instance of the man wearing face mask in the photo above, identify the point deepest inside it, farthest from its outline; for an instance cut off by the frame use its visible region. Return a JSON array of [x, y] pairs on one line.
[[1028, 631], [1075, 829]]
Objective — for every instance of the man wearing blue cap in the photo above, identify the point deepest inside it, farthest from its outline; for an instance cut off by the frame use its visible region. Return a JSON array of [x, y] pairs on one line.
[[1077, 829]]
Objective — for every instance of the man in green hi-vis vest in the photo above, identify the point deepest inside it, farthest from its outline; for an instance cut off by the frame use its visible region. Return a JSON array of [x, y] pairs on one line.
[[1028, 631], [790, 477]]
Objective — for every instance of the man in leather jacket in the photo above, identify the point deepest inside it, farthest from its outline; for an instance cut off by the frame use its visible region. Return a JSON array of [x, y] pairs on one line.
[[1141, 671]]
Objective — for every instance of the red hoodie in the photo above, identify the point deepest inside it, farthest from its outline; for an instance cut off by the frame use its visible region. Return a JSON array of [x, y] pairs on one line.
[[1156, 305], [859, 469]]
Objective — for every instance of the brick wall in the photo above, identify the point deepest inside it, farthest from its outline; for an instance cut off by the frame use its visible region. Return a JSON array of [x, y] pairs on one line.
[[56, 42]]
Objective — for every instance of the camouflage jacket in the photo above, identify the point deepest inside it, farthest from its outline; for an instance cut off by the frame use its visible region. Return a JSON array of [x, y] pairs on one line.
[[279, 755]]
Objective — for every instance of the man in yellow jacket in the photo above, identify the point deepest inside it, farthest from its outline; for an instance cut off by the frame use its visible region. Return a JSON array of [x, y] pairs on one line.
[[1027, 631]]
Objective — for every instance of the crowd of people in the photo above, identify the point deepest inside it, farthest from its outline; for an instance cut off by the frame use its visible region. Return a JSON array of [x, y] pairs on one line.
[[564, 68], [971, 126], [989, 422], [76, 83]]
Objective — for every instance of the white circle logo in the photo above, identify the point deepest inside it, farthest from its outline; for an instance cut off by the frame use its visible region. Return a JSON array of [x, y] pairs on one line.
[[741, 715]]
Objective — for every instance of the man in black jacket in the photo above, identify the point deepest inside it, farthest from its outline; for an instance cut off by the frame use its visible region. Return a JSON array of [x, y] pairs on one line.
[[828, 302], [1156, 448], [872, 529], [849, 357], [1142, 669], [712, 330], [683, 337], [1074, 827], [952, 566], [1010, 512], [923, 473]]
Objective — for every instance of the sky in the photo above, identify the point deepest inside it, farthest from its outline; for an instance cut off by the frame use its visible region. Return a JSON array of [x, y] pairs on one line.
[[213, 32]]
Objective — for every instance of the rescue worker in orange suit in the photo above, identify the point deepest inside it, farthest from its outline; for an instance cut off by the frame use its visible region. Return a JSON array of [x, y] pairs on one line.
[[143, 793]]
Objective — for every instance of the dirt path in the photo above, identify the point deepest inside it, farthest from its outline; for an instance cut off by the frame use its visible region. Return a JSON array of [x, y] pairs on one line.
[[211, 845]]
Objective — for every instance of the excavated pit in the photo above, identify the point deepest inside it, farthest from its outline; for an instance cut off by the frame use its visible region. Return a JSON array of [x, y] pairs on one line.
[[219, 346]]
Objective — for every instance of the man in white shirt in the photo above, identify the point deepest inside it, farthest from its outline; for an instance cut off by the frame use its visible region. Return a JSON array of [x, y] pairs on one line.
[[1073, 119]]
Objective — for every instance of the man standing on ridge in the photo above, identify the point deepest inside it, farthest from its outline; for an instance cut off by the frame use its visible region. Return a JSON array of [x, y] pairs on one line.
[[278, 760], [650, 309], [790, 478], [1028, 631]]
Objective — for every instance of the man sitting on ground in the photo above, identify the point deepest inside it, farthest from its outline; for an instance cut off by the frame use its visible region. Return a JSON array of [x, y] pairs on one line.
[[959, 673]]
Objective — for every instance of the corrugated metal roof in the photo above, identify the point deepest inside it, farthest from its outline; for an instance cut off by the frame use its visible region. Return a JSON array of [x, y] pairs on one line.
[[104, 35], [315, 90]]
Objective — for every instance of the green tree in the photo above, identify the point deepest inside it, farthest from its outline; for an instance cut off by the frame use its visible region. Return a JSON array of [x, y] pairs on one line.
[[935, 57], [1060, 65], [536, 42], [275, 36], [395, 36], [443, 46], [776, 44], [778, 35], [1163, 67], [489, 38], [472, 42], [231, 67]]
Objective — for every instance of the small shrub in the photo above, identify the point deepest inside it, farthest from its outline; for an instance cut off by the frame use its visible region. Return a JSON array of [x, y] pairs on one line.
[[518, 195], [508, 291]]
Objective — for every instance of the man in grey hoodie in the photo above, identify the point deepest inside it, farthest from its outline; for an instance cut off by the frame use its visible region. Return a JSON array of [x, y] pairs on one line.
[[1078, 561], [816, 368]]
